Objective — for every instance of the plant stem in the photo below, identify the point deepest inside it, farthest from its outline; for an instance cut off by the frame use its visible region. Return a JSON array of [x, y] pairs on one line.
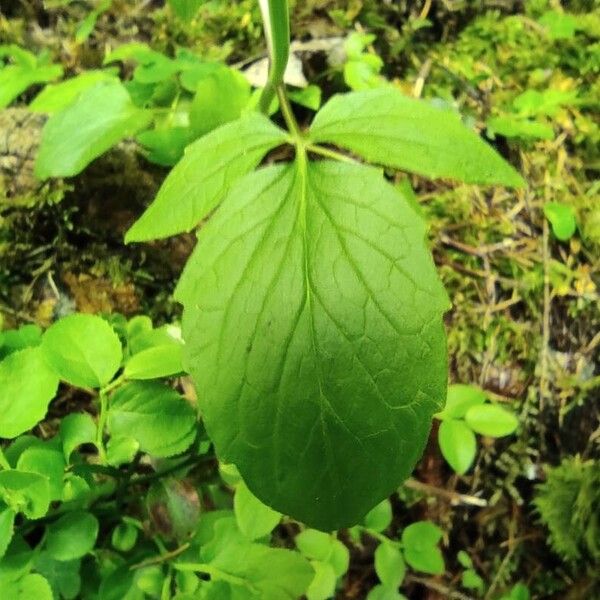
[[288, 114], [315, 149], [102, 397], [4, 464]]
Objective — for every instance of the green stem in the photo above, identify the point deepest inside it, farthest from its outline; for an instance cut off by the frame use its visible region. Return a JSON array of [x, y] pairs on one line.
[[330, 153], [4, 464], [288, 114], [103, 410]]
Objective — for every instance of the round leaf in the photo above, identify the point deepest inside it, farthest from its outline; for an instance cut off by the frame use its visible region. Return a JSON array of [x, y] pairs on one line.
[[76, 429], [562, 218], [83, 350], [389, 565], [458, 444], [460, 398], [28, 587], [72, 536], [379, 517], [254, 518], [27, 386], [322, 586], [314, 544], [492, 420], [420, 550], [152, 363]]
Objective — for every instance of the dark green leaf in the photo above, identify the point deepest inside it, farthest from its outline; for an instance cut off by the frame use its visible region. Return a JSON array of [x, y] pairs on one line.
[[386, 127], [313, 328]]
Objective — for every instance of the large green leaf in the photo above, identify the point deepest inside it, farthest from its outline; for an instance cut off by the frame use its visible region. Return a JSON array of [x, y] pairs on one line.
[[30, 586], [101, 117], [386, 127], [197, 184], [313, 328], [27, 386], [72, 536]]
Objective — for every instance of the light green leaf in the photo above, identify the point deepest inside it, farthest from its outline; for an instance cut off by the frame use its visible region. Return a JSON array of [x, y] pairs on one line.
[[56, 96], [464, 559], [28, 493], [185, 9], [46, 462], [339, 558], [313, 328], [31, 586], [15, 79], [17, 560], [420, 550], [389, 565], [7, 522], [559, 25], [471, 581], [72, 138], [314, 544], [124, 537], [83, 350], [220, 98], [458, 444], [379, 517], [76, 429], [160, 419], [381, 592], [322, 586], [460, 398], [492, 420], [12, 340], [386, 127], [309, 97], [63, 576], [517, 127], [89, 22], [198, 183], [121, 450], [152, 363], [254, 518], [27, 386], [562, 218], [72, 536]]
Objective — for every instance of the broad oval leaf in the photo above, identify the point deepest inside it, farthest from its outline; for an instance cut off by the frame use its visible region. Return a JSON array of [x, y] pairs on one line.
[[84, 350], [199, 181], [389, 565], [386, 127], [71, 139], [32, 585], [161, 420], [24, 492], [27, 386], [562, 218], [72, 536], [158, 361], [458, 444], [313, 328], [460, 398]]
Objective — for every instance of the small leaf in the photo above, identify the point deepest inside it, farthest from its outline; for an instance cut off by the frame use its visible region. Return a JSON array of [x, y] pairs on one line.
[[492, 420], [379, 518], [196, 186], [72, 536], [15, 79], [562, 218], [464, 559], [391, 129], [322, 586], [27, 386], [76, 429], [314, 544], [471, 581], [28, 493], [28, 587], [11, 340], [7, 521], [339, 558], [460, 398], [254, 518], [185, 9], [159, 418], [124, 537], [71, 139], [518, 127], [381, 592], [458, 445], [152, 363], [419, 541], [121, 450], [63, 576], [83, 350], [389, 565], [46, 462]]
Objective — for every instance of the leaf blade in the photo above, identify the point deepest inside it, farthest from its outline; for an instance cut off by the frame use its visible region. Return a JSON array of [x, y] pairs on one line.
[[385, 127]]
